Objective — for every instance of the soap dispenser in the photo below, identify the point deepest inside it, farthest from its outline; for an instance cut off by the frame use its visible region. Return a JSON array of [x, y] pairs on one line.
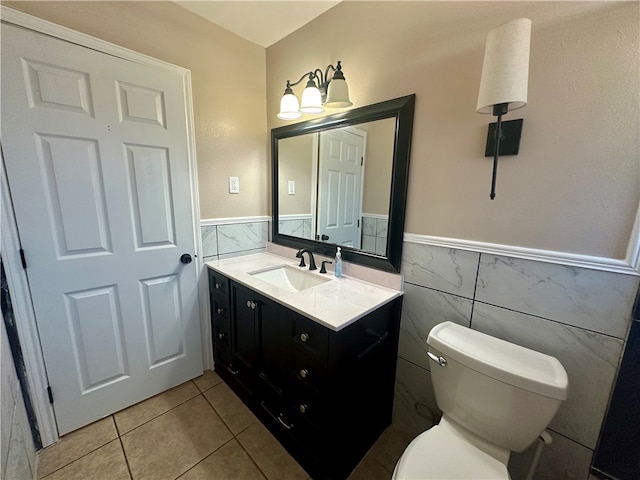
[[338, 268]]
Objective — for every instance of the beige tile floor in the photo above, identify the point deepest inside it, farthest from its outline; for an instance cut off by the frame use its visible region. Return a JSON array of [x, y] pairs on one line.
[[198, 430]]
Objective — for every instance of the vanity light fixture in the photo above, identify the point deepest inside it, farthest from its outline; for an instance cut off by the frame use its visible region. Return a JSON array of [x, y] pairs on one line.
[[503, 86], [328, 92]]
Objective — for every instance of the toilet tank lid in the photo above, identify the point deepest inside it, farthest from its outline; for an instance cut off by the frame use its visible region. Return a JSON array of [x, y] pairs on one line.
[[504, 361]]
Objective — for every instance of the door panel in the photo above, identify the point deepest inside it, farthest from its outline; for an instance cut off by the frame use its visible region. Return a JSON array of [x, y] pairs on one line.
[[96, 331], [56, 87], [150, 189], [72, 174], [163, 319], [96, 152], [139, 104]]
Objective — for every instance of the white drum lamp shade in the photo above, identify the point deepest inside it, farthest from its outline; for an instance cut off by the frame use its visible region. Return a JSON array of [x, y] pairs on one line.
[[505, 70]]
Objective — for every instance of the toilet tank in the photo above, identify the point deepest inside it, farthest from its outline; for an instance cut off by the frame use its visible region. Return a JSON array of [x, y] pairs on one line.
[[505, 393]]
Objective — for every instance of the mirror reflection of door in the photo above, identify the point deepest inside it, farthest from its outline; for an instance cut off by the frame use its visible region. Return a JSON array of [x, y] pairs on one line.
[[299, 190], [340, 172]]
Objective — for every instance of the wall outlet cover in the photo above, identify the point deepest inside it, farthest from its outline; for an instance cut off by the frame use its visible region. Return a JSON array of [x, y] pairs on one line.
[[234, 185]]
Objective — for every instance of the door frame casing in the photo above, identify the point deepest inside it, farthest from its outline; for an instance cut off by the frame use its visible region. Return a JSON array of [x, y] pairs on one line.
[[18, 283]]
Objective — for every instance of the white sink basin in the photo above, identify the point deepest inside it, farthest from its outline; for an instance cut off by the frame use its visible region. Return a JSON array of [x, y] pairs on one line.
[[291, 279]]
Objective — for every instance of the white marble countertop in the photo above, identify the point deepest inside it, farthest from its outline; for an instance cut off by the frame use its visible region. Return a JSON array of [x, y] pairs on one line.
[[335, 304]]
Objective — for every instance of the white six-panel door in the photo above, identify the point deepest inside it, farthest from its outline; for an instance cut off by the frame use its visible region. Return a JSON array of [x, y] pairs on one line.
[[96, 153]]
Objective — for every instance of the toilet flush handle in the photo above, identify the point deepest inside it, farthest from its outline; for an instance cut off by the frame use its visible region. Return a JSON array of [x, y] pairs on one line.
[[439, 360]]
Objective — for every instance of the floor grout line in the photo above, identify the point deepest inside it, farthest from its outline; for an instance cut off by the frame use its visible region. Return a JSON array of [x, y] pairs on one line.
[[199, 462], [218, 413], [160, 414], [250, 457], [124, 452]]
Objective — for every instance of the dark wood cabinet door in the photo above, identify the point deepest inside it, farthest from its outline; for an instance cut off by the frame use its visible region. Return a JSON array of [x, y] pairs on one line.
[[244, 326], [274, 324]]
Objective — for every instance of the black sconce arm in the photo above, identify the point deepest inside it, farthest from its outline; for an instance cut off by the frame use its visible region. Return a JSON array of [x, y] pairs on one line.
[[323, 78], [311, 75]]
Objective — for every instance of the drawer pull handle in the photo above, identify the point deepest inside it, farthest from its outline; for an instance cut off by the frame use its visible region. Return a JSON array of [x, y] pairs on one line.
[[251, 305], [219, 310], [218, 286], [278, 418], [303, 408], [232, 370], [283, 423], [304, 373], [304, 337], [221, 336]]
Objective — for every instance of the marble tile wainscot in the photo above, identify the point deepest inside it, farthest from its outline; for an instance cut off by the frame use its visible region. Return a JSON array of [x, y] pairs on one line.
[[231, 237], [579, 315], [374, 232], [296, 225]]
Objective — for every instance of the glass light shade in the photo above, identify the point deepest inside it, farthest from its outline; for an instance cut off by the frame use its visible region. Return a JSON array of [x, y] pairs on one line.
[[505, 70], [311, 100], [338, 94], [289, 107]]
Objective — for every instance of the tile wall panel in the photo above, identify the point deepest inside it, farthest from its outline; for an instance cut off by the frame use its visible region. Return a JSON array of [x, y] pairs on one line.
[[209, 240], [564, 459], [448, 270], [591, 299], [242, 236], [422, 310], [414, 407]]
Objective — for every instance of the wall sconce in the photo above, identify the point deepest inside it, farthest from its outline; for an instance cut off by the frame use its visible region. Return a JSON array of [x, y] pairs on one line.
[[330, 93], [504, 82]]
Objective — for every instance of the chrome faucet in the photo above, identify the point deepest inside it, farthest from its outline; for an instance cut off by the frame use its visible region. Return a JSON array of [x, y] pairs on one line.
[[312, 261]]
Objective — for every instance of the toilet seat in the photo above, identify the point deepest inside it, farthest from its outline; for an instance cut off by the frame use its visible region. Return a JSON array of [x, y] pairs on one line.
[[439, 453]]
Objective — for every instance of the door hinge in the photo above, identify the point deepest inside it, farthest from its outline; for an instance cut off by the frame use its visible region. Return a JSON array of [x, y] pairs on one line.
[[361, 161], [23, 259], [50, 393], [358, 223]]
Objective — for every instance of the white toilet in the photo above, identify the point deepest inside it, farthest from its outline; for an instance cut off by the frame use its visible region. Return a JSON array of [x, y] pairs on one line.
[[496, 397]]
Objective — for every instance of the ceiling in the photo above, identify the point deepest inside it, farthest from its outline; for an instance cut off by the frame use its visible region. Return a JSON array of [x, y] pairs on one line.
[[261, 22]]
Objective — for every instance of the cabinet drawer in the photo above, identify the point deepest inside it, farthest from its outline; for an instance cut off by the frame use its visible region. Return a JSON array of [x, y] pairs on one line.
[[222, 332], [219, 286], [237, 372], [307, 404], [220, 310], [293, 425], [310, 336], [307, 370]]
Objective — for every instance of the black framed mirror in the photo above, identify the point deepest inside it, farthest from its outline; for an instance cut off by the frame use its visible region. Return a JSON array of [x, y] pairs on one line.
[[341, 180]]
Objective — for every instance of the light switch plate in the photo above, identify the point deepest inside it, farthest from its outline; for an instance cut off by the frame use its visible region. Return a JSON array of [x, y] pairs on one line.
[[292, 187], [234, 185]]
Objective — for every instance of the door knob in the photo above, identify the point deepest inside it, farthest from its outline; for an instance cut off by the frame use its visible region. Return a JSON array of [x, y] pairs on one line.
[[185, 258]]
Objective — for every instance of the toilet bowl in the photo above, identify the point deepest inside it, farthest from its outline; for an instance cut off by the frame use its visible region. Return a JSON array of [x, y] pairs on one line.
[[443, 453], [496, 397]]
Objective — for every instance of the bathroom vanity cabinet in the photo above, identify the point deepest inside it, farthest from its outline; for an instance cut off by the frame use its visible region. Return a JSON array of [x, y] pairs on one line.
[[325, 394]]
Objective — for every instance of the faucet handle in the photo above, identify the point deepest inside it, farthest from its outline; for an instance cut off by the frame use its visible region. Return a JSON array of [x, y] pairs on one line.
[[322, 268]]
